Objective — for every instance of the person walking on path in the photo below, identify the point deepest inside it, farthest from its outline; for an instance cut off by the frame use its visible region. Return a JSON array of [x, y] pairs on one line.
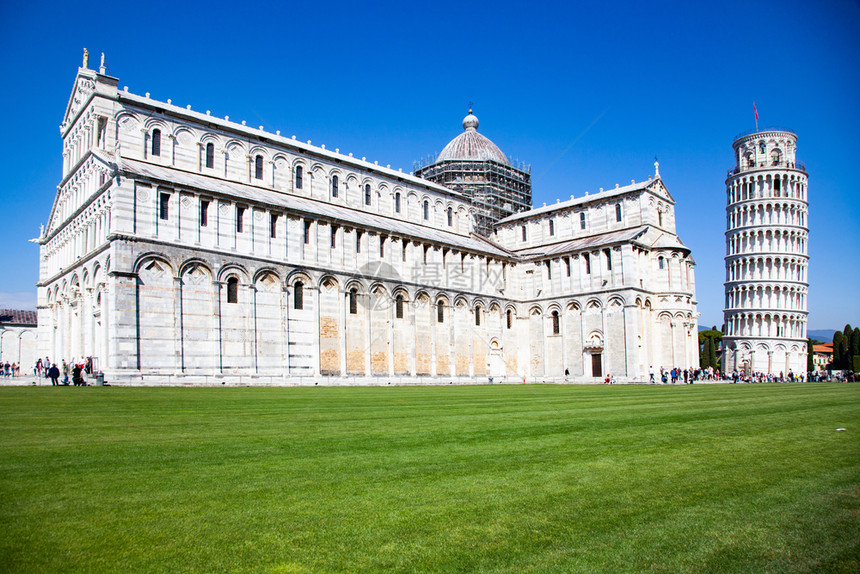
[[54, 374]]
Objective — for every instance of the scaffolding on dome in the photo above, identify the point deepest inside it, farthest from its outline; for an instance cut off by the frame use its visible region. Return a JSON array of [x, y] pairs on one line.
[[495, 190]]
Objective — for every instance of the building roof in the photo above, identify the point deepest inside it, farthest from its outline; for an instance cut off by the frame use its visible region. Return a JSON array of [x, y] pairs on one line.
[[644, 235], [581, 200], [825, 349], [292, 143], [471, 146], [311, 207], [18, 317], [583, 243]]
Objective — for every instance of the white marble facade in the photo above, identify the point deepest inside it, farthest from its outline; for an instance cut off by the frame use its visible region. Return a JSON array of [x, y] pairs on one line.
[[188, 249], [766, 256]]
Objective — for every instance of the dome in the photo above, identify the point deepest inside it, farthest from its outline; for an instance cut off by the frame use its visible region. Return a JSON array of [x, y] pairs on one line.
[[470, 145]]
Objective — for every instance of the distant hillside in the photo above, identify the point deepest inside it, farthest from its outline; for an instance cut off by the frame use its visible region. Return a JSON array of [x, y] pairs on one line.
[[823, 335]]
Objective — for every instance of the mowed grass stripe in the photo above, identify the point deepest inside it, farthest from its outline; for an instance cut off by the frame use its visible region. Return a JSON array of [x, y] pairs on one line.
[[438, 479]]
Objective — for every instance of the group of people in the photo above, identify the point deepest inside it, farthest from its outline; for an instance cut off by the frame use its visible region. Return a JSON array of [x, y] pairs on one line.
[[686, 376], [75, 369], [7, 370], [757, 377]]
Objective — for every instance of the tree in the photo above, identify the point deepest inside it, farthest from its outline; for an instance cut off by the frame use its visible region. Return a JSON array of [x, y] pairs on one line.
[[846, 346], [708, 343], [855, 342], [837, 350], [810, 353], [704, 353], [712, 355]]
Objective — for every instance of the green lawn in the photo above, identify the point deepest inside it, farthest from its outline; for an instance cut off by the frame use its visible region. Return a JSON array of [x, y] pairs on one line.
[[703, 478]]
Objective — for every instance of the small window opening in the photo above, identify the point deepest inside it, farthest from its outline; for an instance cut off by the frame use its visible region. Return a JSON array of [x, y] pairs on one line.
[[334, 183], [273, 225], [587, 259], [299, 176], [307, 237], [358, 241], [440, 312], [426, 209], [477, 316], [608, 259], [555, 323], [240, 219], [353, 301], [660, 262], [210, 155], [258, 167], [582, 220], [298, 295], [156, 142], [398, 306], [450, 217], [551, 227], [204, 213], [397, 202], [333, 236], [524, 233], [510, 318], [367, 194], [232, 290], [618, 212], [163, 206], [381, 246]]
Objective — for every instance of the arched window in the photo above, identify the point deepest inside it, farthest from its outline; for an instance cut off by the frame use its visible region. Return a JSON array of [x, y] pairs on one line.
[[367, 194], [298, 295], [156, 142], [258, 167], [398, 306], [477, 316], [334, 186], [587, 259], [555, 323], [232, 290], [582, 220], [510, 318], [660, 262], [397, 202], [617, 212], [660, 218], [608, 254], [298, 177], [551, 227], [524, 233], [426, 209], [353, 301], [440, 312], [450, 217], [210, 155]]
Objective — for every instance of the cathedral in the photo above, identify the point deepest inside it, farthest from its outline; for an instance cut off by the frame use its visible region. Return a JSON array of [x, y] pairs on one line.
[[187, 249]]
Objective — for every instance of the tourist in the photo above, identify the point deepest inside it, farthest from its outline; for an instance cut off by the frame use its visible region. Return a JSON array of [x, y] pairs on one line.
[[54, 374], [77, 378]]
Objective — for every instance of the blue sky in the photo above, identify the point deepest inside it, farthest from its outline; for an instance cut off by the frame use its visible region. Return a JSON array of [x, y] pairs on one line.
[[392, 82]]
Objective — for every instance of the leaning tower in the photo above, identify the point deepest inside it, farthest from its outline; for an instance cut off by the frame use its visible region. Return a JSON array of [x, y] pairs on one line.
[[766, 255]]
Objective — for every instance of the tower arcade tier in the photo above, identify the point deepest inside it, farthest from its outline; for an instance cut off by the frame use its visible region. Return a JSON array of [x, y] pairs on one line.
[[766, 255]]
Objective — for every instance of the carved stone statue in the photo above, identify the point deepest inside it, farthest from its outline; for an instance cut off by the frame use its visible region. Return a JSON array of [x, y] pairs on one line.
[[86, 63]]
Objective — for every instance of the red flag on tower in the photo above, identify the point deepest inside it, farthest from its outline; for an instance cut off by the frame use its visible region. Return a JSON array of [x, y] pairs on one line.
[[756, 112]]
